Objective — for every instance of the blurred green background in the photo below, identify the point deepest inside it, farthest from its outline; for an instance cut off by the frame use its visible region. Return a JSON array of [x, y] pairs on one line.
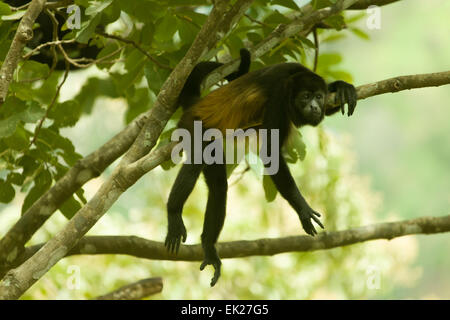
[[388, 162]]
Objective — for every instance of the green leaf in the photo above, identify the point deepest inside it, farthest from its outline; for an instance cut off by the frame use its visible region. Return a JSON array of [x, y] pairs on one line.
[[42, 183], [19, 140], [16, 178], [187, 31], [329, 59], [145, 11], [337, 22], [286, 3], [358, 32], [137, 103], [155, 76], [88, 29], [307, 42], [296, 144], [107, 50], [254, 37], [8, 126], [52, 137], [4, 9], [319, 4], [65, 114], [32, 114], [46, 92], [32, 69], [135, 66], [7, 192], [165, 28], [94, 88], [97, 7], [70, 207], [270, 190]]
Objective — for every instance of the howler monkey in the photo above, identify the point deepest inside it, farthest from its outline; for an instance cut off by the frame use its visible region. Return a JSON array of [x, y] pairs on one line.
[[276, 97]]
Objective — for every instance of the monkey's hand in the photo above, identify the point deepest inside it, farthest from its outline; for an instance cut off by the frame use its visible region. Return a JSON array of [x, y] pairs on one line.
[[345, 94], [175, 234], [212, 258], [306, 214]]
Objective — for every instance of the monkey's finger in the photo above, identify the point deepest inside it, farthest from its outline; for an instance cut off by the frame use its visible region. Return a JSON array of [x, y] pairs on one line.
[[317, 214], [184, 236], [353, 100], [347, 99], [177, 245], [203, 265], [342, 100], [170, 247], [216, 274], [318, 222], [312, 230]]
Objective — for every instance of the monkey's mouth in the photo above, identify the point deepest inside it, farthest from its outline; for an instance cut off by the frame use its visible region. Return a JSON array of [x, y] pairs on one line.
[[315, 115]]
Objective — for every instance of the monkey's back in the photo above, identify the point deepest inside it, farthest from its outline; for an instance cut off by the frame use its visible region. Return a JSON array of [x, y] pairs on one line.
[[241, 103]]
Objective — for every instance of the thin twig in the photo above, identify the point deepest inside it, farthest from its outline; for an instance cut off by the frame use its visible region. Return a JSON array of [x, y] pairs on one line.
[[138, 47], [257, 21], [78, 65], [52, 103], [51, 43], [316, 49]]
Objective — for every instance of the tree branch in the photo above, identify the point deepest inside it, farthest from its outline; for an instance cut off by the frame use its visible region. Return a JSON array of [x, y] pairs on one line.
[[398, 84], [135, 291], [23, 34], [154, 250]]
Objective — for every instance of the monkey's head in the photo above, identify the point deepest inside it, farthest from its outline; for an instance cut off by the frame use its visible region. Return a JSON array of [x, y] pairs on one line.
[[308, 92]]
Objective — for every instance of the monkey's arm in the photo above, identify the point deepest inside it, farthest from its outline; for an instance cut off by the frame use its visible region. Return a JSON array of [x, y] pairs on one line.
[[345, 93], [285, 184], [281, 177]]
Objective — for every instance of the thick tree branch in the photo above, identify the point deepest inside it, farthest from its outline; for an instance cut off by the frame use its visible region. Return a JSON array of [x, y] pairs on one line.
[[135, 291], [153, 250], [23, 35]]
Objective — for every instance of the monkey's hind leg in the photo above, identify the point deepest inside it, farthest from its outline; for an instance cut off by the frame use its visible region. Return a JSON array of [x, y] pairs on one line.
[[216, 180], [182, 188]]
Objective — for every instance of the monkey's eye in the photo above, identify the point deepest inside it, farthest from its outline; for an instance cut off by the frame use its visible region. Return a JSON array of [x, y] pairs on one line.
[[306, 95], [319, 96]]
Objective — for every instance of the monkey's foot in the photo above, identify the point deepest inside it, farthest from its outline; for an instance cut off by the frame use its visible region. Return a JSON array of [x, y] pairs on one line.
[[175, 234], [216, 263], [305, 218]]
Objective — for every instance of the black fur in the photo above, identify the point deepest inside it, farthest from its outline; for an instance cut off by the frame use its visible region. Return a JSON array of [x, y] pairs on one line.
[[192, 88]]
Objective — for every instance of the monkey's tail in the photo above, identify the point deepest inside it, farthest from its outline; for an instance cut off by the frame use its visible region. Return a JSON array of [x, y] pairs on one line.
[[244, 66], [192, 88]]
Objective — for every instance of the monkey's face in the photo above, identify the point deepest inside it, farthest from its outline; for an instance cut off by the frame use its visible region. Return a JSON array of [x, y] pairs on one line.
[[308, 107]]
